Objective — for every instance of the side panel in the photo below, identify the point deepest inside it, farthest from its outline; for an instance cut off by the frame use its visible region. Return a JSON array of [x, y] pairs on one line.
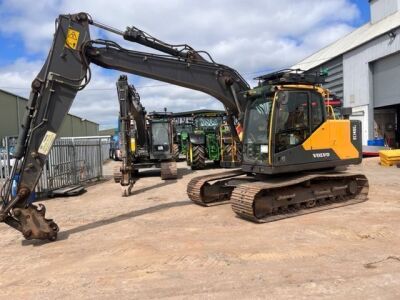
[[213, 146], [338, 136], [356, 135], [334, 143], [360, 113]]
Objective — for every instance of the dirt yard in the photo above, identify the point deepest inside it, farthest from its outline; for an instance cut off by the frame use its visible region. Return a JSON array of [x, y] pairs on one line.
[[157, 244]]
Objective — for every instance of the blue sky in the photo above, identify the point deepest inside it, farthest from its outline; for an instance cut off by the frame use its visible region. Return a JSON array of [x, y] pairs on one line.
[[255, 41], [363, 6], [13, 44]]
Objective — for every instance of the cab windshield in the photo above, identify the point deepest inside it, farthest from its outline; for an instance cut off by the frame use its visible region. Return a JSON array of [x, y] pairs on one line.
[[160, 133], [207, 122]]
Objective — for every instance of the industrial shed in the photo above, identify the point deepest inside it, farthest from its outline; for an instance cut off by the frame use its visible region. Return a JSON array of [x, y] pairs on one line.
[[364, 70], [12, 110]]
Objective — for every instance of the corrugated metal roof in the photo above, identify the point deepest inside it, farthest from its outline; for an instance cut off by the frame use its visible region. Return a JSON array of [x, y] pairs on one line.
[[353, 40]]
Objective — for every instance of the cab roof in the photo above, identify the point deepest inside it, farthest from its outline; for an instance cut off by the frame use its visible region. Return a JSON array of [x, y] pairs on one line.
[[290, 76]]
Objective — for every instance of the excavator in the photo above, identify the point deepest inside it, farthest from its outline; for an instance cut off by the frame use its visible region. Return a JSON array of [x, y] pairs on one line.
[[290, 148], [146, 140]]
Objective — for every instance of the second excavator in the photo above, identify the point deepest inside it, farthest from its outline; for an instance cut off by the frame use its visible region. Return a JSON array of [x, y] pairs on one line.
[[291, 149], [146, 140]]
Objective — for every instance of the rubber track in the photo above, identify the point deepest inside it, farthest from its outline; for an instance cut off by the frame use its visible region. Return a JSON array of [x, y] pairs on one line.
[[194, 188], [243, 196], [169, 170]]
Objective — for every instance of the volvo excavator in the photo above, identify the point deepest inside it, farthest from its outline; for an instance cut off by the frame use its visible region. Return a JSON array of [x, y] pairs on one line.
[[146, 140], [290, 147]]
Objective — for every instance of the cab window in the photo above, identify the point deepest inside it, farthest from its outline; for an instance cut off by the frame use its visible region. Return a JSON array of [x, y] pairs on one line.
[[292, 125], [317, 110]]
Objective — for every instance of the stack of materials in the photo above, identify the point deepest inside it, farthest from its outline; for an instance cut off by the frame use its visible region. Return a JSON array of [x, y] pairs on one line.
[[389, 157]]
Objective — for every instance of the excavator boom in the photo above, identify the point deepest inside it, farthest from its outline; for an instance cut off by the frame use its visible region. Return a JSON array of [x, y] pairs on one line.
[[131, 113]]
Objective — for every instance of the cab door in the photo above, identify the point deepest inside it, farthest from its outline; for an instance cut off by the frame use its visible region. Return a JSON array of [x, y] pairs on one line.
[[298, 113]]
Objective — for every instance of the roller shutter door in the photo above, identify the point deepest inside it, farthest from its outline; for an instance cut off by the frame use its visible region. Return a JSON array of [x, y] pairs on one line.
[[386, 81]]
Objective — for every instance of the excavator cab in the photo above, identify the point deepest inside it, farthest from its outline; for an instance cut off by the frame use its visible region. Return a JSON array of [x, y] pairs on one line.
[[160, 137], [288, 129]]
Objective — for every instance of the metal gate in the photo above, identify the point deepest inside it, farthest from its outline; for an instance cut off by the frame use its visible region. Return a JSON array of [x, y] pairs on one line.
[[6, 159], [71, 161]]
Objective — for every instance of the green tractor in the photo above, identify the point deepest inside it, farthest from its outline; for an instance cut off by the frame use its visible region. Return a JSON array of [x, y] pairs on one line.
[[211, 139], [204, 141], [183, 126], [203, 135]]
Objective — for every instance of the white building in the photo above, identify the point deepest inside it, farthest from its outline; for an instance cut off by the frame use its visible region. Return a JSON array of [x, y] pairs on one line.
[[364, 70]]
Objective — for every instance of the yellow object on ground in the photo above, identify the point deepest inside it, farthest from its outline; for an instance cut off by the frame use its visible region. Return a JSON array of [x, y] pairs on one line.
[[389, 157]]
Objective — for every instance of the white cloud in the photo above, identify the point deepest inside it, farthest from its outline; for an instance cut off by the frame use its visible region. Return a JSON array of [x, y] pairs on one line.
[[17, 77], [250, 36]]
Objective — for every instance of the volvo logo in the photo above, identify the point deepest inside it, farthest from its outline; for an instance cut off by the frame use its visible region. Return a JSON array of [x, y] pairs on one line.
[[321, 155]]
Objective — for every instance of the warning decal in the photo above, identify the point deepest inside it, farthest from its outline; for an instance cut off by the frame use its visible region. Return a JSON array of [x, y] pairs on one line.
[[72, 39], [47, 142]]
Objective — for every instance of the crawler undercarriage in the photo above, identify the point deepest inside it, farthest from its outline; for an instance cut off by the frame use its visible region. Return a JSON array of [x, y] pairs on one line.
[[168, 171], [265, 199]]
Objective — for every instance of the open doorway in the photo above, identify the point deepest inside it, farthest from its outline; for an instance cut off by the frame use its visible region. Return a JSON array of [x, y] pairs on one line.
[[386, 121]]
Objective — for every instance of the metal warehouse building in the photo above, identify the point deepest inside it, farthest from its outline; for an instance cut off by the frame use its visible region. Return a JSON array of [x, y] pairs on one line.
[[364, 70], [12, 110]]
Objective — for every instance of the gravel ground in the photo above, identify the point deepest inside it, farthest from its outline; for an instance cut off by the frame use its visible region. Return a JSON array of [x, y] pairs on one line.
[[157, 244]]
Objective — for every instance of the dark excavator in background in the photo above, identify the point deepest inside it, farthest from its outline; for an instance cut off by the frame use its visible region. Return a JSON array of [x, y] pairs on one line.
[[290, 147], [146, 140]]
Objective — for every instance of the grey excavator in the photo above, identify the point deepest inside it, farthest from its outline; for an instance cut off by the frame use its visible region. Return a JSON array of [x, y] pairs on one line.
[[146, 139], [291, 149]]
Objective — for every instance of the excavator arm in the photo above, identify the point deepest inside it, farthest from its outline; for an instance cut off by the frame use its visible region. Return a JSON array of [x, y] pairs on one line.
[[66, 71], [131, 110]]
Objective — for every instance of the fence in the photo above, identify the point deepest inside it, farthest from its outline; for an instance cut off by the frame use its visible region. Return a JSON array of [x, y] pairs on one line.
[[6, 160], [71, 161]]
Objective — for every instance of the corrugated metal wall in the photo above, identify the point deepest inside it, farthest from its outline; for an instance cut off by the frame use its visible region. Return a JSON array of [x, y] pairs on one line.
[[110, 131], [357, 68], [382, 8], [334, 80], [74, 126], [9, 115], [12, 110], [358, 73]]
